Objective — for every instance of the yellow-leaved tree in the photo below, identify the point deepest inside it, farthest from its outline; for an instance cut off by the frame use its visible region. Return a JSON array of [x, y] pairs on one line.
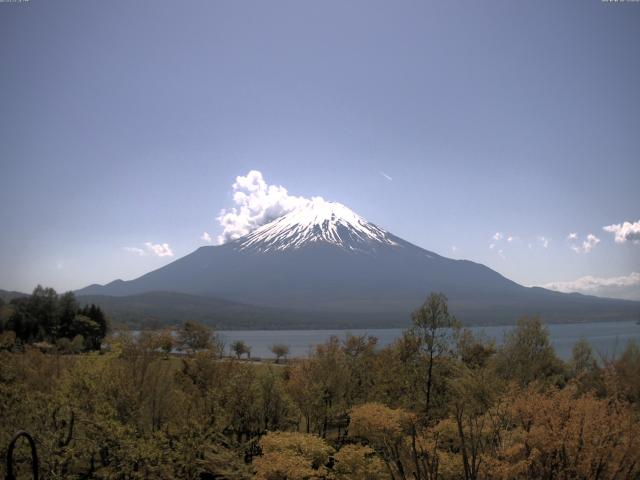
[[292, 456]]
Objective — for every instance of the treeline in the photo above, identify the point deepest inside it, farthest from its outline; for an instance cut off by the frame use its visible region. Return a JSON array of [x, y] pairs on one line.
[[439, 403], [52, 321]]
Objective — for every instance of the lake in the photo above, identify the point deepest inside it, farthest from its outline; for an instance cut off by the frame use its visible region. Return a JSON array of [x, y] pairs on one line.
[[606, 338]]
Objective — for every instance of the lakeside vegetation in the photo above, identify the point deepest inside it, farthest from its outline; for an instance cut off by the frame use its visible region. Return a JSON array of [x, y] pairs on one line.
[[439, 403], [52, 322]]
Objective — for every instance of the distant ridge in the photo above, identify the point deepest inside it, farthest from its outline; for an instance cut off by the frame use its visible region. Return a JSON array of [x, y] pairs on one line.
[[7, 295], [155, 309], [339, 269]]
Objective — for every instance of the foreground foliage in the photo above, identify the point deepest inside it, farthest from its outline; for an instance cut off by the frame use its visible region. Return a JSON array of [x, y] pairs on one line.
[[437, 404]]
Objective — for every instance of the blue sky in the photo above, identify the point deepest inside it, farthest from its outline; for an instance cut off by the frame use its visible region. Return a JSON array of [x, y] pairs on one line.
[[126, 123]]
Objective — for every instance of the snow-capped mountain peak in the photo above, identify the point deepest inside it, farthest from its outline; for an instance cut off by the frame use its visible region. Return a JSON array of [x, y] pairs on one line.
[[317, 221]]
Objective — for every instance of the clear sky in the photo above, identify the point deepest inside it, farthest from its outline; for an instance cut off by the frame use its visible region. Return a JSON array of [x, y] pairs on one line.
[[123, 126]]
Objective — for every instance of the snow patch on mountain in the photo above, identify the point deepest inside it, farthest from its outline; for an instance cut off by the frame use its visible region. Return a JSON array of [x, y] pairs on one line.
[[317, 221]]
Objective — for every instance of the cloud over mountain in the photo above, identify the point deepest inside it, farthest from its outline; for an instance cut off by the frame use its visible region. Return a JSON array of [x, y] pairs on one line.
[[626, 287], [159, 249], [257, 203]]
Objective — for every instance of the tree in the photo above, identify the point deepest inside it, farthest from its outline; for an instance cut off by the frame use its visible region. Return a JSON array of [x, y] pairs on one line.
[[277, 410], [305, 391], [7, 340], [240, 348], [22, 322], [42, 305], [96, 314], [388, 431], [194, 336], [560, 435], [434, 328], [280, 350], [292, 456], [165, 341], [88, 329], [47, 316], [527, 355], [626, 374], [582, 359], [66, 312], [358, 462], [4, 315], [63, 345], [584, 370], [359, 357], [473, 394], [474, 351], [77, 344]]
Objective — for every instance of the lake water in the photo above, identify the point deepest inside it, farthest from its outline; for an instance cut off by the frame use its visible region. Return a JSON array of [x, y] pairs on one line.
[[606, 338]]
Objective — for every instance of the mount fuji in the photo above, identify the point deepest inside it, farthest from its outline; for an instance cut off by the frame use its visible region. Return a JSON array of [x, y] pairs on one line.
[[323, 265]]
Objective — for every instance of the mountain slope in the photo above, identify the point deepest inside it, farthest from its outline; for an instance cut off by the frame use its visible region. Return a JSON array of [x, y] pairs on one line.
[[328, 261]]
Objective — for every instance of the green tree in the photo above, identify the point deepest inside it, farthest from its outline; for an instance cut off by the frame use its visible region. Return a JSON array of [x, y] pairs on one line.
[[527, 355], [96, 314], [22, 322], [194, 336], [67, 310], [77, 344], [434, 328], [474, 351], [239, 348], [63, 345], [583, 368], [359, 357], [87, 328]]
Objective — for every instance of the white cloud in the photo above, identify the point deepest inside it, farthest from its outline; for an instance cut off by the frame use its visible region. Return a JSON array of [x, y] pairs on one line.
[[385, 175], [502, 255], [159, 249], [587, 245], [590, 243], [206, 237], [544, 241], [454, 249], [136, 250], [625, 232], [257, 203], [497, 236], [511, 238], [492, 246], [627, 287]]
